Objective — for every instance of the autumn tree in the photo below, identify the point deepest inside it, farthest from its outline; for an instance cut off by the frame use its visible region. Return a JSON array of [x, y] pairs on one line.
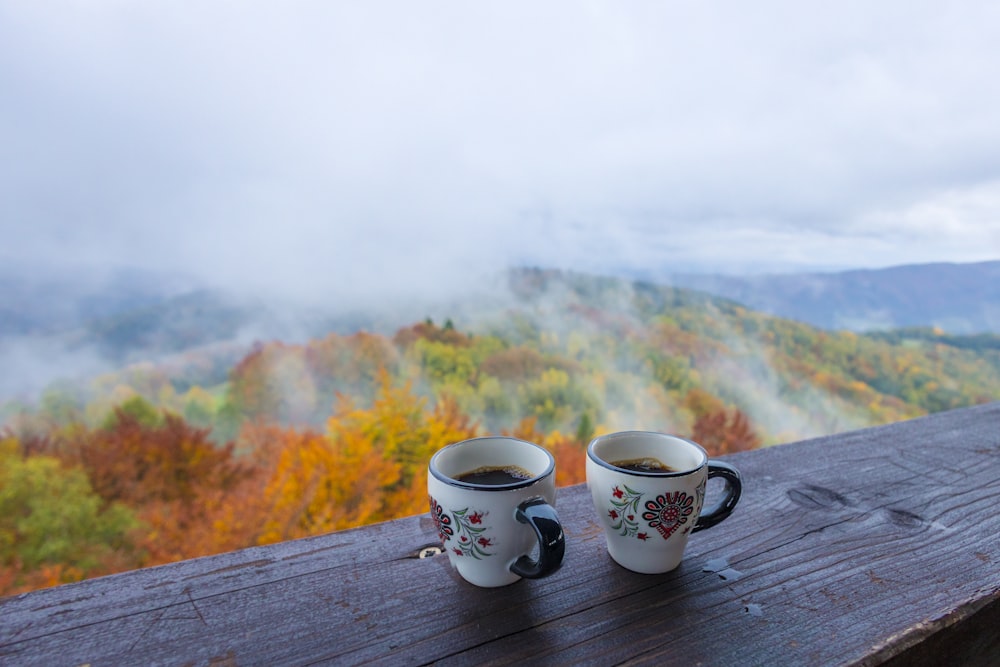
[[405, 432], [724, 432], [515, 364], [165, 471], [369, 466], [429, 331], [570, 454], [348, 365], [273, 383], [718, 428], [317, 487]]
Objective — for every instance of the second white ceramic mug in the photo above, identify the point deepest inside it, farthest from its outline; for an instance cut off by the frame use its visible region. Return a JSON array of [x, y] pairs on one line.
[[648, 515]]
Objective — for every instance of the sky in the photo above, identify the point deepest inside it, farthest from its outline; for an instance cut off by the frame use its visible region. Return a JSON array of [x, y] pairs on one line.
[[348, 148]]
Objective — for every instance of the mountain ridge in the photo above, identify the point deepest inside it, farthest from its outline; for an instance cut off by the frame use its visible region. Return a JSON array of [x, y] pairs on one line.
[[957, 298]]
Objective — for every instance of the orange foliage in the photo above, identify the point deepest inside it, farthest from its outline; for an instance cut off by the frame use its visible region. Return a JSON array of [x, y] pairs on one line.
[[571, 458], [319, 486], [349, 361], [724, 432], [405, 337], [15, 579], [701, 403], [515, 364], [171, 474], [527, 429], [570, 454], [273, 383], [140, 464]]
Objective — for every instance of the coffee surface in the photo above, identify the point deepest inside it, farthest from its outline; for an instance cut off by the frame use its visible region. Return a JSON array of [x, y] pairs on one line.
[[645, 464], [494, 475]]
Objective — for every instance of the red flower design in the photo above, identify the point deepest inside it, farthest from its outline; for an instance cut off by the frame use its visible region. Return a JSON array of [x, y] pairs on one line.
[[442, 521], [643, 536], [476, 517], [631, 517], [667, 512], [613, 514], [618, 493], [458, 552], [485, 541], [464, 538]]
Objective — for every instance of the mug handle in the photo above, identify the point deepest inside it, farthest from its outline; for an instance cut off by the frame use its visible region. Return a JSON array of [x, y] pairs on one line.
[[732, 492], [551, 542]]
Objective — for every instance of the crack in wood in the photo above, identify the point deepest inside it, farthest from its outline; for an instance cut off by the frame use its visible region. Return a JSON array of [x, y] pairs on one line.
[[229, 568], [317, 551], [63, 603], [811, 496]]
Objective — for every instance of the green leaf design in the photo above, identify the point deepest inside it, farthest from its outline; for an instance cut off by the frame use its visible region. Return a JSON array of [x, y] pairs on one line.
[[624, 510]]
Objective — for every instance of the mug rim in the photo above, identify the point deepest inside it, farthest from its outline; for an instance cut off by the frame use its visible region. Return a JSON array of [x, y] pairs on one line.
[[451, 481], [592, 455]]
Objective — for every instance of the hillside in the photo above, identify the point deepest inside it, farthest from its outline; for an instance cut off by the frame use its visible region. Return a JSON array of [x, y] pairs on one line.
[[562, 348]]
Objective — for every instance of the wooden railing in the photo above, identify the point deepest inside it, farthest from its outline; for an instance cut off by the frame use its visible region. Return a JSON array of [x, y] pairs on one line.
[[869, 547]]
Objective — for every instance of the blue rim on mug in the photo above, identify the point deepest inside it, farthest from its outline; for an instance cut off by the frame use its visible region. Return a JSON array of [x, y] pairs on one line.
[[471, 442], [654, 435]]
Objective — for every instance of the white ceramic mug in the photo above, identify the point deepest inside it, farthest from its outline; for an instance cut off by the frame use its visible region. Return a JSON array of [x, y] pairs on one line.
[[490, 529], [648, 514]]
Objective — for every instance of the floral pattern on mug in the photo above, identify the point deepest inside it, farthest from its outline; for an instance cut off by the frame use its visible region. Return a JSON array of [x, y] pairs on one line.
[[465, 528], [668, 512], [665, 514]]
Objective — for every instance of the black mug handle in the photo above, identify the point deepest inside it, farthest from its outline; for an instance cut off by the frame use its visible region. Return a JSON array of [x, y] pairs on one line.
[[731, 495], [542, 517]]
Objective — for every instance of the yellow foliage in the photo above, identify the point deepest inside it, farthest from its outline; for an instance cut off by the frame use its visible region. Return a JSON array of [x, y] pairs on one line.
[[370, 465]]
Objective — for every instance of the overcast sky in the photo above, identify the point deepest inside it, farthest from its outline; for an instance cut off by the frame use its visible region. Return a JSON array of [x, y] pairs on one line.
[[407, 145]]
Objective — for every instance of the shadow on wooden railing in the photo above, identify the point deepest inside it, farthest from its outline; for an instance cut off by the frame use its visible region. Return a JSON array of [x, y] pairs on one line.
[[869, 547]]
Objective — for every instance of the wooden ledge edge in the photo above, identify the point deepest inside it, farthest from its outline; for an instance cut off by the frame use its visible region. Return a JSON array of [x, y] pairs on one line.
[[966, 635]]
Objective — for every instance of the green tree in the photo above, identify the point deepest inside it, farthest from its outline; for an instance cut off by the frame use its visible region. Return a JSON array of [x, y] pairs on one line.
[[137, 408], [498, 404], [50, 516], [61, 404], [585, 428], [442, 362], [554, 398], [199, 407]]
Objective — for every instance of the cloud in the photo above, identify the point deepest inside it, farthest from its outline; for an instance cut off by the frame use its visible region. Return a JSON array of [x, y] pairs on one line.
[[31, 363], [358, 150]]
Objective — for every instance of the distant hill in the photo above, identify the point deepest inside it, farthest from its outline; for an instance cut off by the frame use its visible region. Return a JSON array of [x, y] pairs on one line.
[[76, 324], [958, 298]]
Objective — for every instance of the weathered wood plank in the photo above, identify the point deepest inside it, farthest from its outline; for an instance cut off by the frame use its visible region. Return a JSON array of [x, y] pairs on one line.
[[861, 548]]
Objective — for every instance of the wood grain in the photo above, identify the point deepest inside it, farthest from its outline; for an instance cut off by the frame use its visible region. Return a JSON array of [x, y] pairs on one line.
[[875, 546]]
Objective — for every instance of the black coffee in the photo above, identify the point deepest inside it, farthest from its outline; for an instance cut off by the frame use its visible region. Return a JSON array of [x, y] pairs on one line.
[[495, 475], [645, 464]]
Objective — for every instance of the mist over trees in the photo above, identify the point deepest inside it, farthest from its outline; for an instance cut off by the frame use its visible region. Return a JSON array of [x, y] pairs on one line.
[[159, 462]]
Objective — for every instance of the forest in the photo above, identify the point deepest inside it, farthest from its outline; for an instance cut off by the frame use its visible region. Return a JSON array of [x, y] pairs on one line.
[[192, 455]]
